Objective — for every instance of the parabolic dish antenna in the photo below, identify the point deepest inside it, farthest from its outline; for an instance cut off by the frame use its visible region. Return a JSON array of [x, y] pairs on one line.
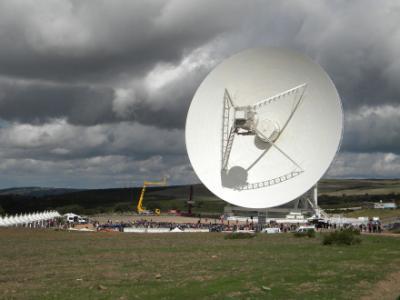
[[263, 127]]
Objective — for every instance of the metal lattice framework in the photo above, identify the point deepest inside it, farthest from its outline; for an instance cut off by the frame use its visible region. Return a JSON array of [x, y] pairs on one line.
[[227, 134], [269, 182], [229, 131]]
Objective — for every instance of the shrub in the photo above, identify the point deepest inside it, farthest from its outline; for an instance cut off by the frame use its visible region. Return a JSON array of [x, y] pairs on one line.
[[123, 207], [239, 235], [343, 237], [300, 234], [395, 227], [152, 205], [92, 211], [354, 231], [309, 233], [76, 209]]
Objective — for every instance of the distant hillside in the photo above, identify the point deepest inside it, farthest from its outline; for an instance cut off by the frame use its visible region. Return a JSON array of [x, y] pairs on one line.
[[332, 193], [338, 187], [37, 191]]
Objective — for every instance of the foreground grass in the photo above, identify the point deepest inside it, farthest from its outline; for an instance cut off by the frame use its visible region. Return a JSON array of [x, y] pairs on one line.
[[77, 265]]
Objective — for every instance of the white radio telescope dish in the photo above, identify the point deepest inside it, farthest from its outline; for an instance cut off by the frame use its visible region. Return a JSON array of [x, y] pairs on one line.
[[263, 127]]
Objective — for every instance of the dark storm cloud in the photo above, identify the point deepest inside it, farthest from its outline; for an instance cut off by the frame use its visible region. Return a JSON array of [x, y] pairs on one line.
[[115, 43], [373, 129], [84, 42], [39, 103], [89, 40]]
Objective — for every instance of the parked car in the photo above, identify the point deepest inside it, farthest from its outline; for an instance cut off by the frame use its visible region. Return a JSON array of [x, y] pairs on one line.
[[271, 230], [305, 228]]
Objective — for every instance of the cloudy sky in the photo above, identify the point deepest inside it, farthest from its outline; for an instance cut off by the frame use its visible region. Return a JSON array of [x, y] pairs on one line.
[[95, 93]]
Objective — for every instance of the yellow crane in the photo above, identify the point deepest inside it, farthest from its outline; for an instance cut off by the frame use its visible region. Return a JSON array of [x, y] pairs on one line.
[[142, 210]]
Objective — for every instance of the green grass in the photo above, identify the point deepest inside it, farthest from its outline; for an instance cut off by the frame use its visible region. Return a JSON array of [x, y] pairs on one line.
[[369, 191], [338, 187], [343, 237], [239, 235], [43, 264]]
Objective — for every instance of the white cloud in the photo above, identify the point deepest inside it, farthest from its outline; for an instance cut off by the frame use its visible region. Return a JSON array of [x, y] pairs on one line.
[[373, 129], [164, 74], [60, 137], [99, 156], [123, 101], [365, 165], [55, 26], [54, 134]]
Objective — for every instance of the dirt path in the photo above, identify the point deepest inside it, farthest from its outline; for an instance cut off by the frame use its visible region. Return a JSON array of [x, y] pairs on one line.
[[385, 289]]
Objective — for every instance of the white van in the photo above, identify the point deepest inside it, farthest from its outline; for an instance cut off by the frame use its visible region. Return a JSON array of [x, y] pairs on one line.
[[73, 218], [271, 230]]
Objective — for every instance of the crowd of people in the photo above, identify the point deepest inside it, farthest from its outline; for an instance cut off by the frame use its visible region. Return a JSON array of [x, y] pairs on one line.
[[143, 223], [219, 225], [371, 227], [213, 225]]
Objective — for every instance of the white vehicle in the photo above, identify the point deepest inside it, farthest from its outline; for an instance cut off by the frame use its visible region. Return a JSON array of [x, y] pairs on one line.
[[73, 218], [305, 228], [271, 230]]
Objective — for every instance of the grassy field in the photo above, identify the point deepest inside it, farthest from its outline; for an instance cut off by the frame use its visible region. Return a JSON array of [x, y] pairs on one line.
[[381, 213], [47, 264], [338, 187]]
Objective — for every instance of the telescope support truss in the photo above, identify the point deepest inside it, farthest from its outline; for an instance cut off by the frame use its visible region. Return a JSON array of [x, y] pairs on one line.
[[232, 125]]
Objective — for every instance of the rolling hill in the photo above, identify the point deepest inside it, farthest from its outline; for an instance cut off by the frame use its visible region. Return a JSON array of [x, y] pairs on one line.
[[332, 193]]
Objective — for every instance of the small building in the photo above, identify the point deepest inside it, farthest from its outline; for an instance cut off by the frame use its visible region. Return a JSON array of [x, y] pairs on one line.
[[385, 205]]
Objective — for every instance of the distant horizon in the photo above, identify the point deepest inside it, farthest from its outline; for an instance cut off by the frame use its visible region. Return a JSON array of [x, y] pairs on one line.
[[139, 186]]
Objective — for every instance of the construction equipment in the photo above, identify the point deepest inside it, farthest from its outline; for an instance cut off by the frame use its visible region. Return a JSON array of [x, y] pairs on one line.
[[142, 210], [190, 202]]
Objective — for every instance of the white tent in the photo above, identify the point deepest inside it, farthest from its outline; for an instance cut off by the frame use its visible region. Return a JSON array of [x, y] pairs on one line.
[[31, 219]]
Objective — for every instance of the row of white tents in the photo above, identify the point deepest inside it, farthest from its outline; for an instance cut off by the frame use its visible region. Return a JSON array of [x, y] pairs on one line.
[[36, 219]]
